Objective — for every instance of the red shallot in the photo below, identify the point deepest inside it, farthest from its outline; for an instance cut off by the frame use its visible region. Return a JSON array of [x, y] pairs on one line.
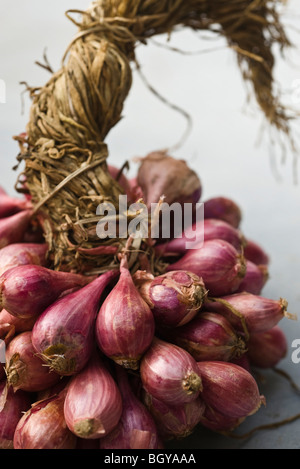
[[125, 324], [19, 324], [267, 349], [24, 369], [248, 312], [63, 335], [174, 297], [161, 175], [175, 422], [255, 253], [93, 405], [27, 290], [203, 230], [12, 406], [44, 426], [224, 209], [11, 205], [229, 389], [218, 263], [17, 254], [170, 373], [255, 279], [209, 336], [136, 428], [13, 228]]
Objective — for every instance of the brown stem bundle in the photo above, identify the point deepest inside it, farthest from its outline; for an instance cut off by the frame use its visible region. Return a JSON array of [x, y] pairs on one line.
[[65, 152]]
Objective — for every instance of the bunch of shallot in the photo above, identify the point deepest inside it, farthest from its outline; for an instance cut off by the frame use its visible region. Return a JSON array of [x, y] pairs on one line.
[[131, 359]]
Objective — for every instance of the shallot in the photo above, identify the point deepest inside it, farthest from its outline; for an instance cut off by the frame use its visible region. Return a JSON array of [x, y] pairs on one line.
[[27, 290], [218, 263], [24, 369], [93, 405], [267, 349], [136, 428], [161, 175], [125, 324], [13, 228], [12, 406], [44, 426], [209, 336], [175, 422], [17, 254], [174, 297], [229, 389], [63, 335], [250, 313], [170, 373], [203, 230], [224, 209], [255, 279]]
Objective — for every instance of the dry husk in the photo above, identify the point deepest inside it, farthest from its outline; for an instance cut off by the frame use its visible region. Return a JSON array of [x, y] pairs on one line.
[[64, 150]]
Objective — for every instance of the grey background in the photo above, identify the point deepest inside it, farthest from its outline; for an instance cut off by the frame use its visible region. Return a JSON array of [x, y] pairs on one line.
[[222, 147]]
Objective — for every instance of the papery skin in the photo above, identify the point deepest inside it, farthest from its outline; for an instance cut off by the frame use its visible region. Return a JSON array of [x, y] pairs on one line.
[[209, 336], [229, 389], [267, 349], [136, 428], [24, 369], [175, 422], [12, 406], [170, 373], [223, 208], [125, 325], [44, 426], [93, 405], [257, 313], [218, 263], [208, 229], [174, 298], [27, 290], [256, 253], [22, 254], [64, 334], [255, 279], [13, 228]]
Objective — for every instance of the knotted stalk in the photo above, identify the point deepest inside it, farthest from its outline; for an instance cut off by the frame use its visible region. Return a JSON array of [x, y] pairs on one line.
[[64, 151]]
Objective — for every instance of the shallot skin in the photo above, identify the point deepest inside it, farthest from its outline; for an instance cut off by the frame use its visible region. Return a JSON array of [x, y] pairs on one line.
[[24, 369], [209, 336], [223, 208], [27, 290], [125, 324], [267, 349], [136, 428], [229, 389], [22, 254], [249, 312], [175, 422], [218, 263], [12, 406], [64, 334], [13, 228], [170, 373], [161, 175], [44, 426], [174, 298], [93, 405]]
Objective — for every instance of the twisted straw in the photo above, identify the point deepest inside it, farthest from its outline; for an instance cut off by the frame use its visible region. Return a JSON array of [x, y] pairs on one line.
[[65, 153]]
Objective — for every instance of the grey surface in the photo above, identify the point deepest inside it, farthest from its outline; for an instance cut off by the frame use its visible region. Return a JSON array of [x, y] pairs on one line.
[[222, 147]]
